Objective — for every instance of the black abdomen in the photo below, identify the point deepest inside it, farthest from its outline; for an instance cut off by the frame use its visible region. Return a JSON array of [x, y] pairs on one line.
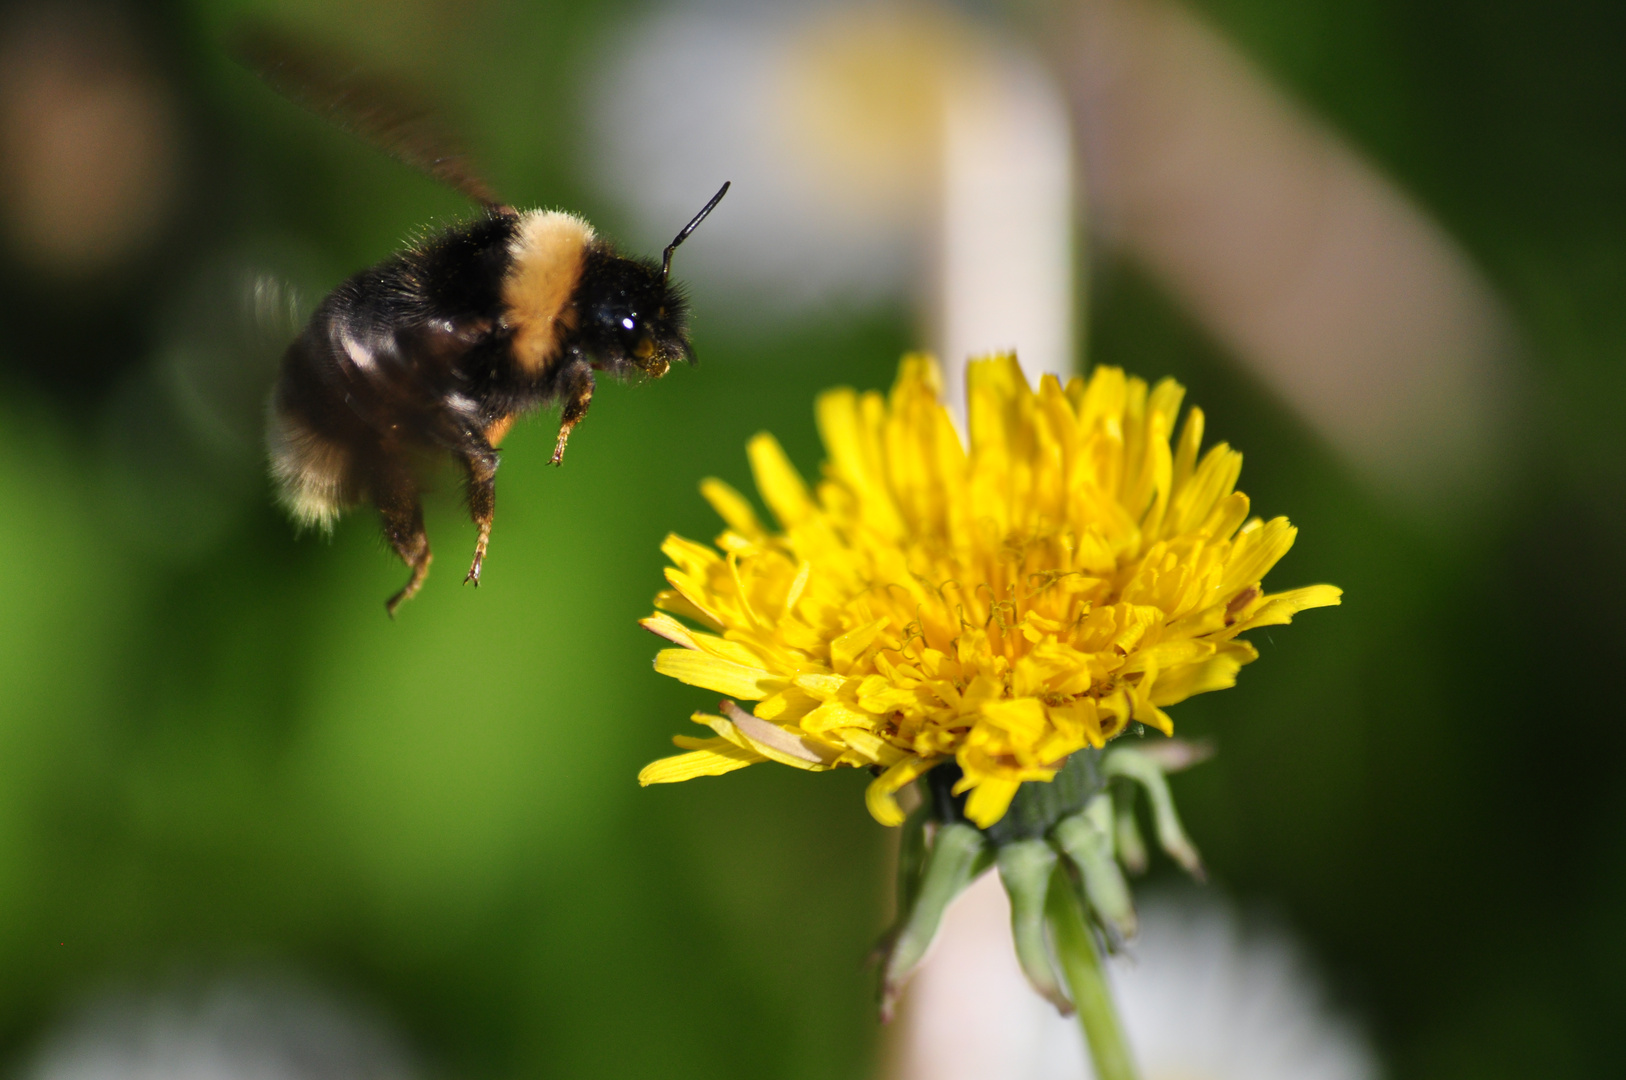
[[388, 370]]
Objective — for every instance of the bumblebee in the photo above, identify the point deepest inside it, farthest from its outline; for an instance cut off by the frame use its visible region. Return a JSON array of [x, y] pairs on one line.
[[435, 352]]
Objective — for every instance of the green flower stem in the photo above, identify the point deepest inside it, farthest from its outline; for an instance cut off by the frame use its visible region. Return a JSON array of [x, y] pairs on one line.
[[1081, 965]]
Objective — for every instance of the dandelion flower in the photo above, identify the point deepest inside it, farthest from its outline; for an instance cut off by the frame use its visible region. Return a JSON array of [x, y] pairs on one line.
[[1075, 569]]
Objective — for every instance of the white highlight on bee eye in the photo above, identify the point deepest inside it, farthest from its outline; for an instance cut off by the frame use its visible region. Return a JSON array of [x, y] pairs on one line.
[[628, 323]]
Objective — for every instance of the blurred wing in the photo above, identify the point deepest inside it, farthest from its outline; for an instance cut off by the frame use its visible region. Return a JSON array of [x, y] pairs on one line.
[[374, 108], [270, 308]]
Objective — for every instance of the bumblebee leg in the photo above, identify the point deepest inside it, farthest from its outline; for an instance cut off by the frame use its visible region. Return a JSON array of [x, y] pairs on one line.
[[576, 391], [403, 528], [482, 470]]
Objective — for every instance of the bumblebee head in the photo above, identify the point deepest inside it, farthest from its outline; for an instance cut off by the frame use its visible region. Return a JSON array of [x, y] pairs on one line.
[[631, 319], [633, 316]]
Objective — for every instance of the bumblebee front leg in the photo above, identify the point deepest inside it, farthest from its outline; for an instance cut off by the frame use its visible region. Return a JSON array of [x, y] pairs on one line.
[[481, 464], [575, 390]]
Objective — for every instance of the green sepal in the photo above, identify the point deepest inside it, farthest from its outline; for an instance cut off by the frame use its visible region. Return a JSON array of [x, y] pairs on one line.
[[949, 867], [1087, 840], [912, 852], [1144, 769], [1131, 846], [1025, 868]]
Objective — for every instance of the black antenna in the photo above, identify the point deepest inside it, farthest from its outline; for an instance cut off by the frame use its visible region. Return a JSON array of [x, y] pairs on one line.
[[666, 256]]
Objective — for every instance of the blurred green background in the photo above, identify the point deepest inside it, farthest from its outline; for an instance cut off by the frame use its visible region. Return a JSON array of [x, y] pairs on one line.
[[217, 754]]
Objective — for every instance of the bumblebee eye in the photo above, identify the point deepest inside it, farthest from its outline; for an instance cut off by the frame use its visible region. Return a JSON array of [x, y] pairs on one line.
[[629, 323]]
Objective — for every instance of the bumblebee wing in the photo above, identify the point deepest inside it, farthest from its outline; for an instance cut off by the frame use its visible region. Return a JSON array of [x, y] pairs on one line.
[[271, 307], [381, 111]]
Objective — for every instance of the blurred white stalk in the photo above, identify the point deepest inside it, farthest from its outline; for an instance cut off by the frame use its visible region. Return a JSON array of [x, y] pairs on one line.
[[1005, 244], [1314, 270], [861, 136], [1199, 999]]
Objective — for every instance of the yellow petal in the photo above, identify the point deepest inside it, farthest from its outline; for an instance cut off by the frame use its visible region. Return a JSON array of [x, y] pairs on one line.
[[726, 728], [1165, 399], [1024, 716], [1258, 547], [691, 599], [732, 507], [880, 795], [772, 741], [836, 412], [1279, 609], [797, 586], [1191, 440], [719, 757], [868, 747], [723, 676], [850, 427], [919, 372], [670, 629], [847, 648], [782, 487], [675, 602], [833, 714], [821, 686], [786, 707], [691, 558], [1213, 480], [989, 800], [1168, 654], [724, 649], [1177, 684]]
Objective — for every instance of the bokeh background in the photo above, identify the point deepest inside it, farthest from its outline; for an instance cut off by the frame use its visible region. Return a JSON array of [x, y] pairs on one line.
[[221, 765]]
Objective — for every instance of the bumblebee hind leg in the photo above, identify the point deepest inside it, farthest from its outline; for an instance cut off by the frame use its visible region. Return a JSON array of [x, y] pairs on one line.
[[403, 528]]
